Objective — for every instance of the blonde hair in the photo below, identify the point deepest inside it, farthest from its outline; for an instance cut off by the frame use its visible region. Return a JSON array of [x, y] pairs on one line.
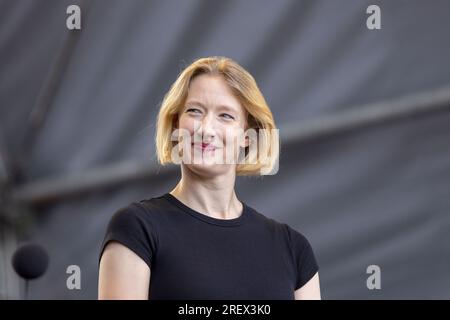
[[246, 91]]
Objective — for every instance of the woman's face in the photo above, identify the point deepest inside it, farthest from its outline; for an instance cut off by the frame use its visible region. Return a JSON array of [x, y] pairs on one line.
[[213, 121]]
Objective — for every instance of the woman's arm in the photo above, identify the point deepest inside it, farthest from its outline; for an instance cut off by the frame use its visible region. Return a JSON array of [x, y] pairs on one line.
[[122, 274], [310, 290]]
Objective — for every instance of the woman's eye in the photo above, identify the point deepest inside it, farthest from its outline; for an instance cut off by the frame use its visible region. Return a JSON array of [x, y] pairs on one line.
[[227, 116], [193, 110]]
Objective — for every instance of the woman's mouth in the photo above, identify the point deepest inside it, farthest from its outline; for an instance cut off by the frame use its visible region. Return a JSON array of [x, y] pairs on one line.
[[204, 146]]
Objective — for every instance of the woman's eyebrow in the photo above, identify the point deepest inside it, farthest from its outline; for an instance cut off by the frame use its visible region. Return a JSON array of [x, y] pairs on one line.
[[226, 107], [221, 106], [195, 102]]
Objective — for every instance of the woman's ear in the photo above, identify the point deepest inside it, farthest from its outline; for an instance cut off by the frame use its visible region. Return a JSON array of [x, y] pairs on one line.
[[243, 139], [246, 141]]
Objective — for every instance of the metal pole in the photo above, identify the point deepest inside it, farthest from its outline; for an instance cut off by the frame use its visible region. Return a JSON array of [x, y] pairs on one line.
[[356, 118]]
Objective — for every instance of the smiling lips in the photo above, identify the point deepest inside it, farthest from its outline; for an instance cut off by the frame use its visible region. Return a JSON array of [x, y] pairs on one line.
[[204, 146]]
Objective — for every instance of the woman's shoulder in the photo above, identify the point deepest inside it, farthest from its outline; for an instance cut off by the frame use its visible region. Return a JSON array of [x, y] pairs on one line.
[[145, 210], [289, 232], [135, 227]]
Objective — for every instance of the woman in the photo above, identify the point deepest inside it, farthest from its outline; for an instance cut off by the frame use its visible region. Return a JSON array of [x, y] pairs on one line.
[[199, 241]]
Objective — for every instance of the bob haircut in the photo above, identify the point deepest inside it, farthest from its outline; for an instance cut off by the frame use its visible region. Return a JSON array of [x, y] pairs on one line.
[[244, 86]]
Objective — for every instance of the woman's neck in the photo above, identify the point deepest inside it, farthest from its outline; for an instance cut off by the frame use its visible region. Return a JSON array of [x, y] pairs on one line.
[[214, 197]]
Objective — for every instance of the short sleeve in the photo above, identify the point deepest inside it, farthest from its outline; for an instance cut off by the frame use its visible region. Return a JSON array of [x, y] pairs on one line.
[[304, 259], [131, 226]]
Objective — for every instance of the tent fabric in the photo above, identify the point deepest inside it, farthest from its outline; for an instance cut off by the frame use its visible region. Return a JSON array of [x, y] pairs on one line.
[[377, 195]]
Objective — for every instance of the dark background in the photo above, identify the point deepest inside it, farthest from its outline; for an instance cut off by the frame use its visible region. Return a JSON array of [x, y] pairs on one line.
[[364, 118]]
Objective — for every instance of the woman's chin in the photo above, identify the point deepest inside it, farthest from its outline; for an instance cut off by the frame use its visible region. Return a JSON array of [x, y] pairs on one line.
[[210, 168]]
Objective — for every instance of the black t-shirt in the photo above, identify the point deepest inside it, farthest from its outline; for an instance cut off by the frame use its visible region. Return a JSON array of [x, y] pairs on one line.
[[195, 256]]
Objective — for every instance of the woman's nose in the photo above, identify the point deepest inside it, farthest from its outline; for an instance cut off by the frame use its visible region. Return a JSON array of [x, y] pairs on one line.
[[208, 127]]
